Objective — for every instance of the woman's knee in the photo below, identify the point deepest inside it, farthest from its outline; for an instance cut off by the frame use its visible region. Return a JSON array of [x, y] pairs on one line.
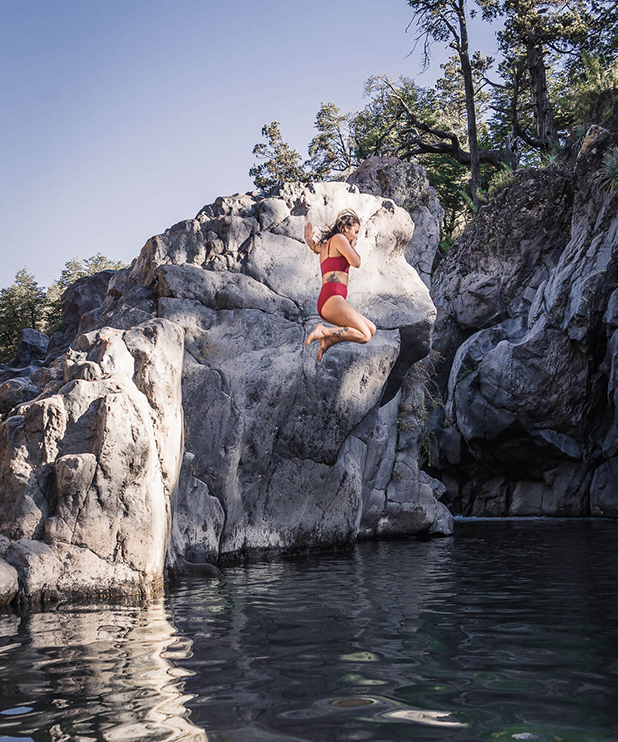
[[370, 326]]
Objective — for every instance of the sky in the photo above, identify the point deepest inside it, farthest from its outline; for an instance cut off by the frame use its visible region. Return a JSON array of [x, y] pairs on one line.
[[121, 118]]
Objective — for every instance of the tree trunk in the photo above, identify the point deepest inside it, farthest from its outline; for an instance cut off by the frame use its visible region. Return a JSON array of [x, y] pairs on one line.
[[466, 68], [543, 115]]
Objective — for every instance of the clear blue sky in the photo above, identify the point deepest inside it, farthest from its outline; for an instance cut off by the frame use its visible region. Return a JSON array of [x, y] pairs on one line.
[[123, 117]]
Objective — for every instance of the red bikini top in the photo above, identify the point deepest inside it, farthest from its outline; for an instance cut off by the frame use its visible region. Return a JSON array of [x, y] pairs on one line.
[[340, 263]]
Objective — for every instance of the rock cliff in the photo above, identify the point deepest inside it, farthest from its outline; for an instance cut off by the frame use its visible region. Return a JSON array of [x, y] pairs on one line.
[[102, 485], [526, 328]]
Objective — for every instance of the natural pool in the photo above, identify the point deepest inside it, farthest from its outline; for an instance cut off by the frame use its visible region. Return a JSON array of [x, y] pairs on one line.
[[509, 631]]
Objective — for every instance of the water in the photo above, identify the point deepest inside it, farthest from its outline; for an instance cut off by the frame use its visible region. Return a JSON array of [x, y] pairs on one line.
[[509, 631]]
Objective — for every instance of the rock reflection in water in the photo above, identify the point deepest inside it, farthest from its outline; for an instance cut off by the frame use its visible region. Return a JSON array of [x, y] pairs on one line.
[[112, 674]]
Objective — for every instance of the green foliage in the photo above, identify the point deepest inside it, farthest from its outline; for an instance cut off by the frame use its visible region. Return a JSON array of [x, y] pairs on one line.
[[22, 305], [466, 198], [282, 164], [332, 152], [501, 180], [549, 159], [379, 129], [445, 244], [577, 91], [556, 58], [77, 268], [449, 178], [26, 304], [609, 171]]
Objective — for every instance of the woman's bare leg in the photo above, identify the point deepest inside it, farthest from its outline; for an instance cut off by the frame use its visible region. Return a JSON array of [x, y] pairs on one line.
[[352, 326]]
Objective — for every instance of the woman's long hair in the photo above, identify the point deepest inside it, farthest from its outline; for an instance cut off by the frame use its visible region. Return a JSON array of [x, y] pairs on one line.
[[345, 219]]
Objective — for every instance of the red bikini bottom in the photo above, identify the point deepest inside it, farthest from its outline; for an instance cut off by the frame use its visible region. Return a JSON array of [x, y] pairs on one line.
[[328, 290]]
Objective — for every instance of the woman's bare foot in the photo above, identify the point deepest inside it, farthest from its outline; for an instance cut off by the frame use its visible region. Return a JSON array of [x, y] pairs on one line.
[[325, 344], [316, 334]]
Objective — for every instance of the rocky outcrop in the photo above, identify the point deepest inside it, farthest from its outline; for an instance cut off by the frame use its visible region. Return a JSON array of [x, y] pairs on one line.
[[97, 490], [87, 469], [29, 356], [9, 583], [84, 295], [407, 185], [526, 327], [32, 347]]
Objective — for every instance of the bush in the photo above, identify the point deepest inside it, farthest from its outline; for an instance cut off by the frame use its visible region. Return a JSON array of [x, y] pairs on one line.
[[609, 171]]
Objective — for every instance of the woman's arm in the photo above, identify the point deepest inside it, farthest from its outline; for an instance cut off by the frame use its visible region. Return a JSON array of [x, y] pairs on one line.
[[315, 246], [344, 247]]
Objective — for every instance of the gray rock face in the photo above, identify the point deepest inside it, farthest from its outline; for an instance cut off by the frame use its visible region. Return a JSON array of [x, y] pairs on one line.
[[87, 471], [9, 584], [526, 325], [29, 357], [86, 295], [98, 490], [407, 185], [269, 428], [17, 390]]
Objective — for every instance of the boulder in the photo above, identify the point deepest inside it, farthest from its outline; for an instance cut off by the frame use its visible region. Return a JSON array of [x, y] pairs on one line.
[[86, 473], [32, 347], [17, 390], [269, 428], [84, 295], [603, 491], [407, 185], [9, 584]]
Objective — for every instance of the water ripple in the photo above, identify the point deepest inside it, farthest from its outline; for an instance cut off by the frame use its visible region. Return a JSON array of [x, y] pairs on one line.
[[506, 632]]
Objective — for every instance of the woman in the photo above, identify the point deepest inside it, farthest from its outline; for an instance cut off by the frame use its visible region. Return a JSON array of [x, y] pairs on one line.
[[337, 251]]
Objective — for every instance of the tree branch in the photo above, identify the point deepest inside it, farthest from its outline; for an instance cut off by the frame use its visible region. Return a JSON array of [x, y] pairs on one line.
[[495, 84], [417, 123], [493, 157]]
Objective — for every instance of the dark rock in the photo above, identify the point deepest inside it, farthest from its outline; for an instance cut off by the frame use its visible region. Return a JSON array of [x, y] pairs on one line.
[[18, 390], [7, 372], [527, 329], [32, 347], [603, 490], [86, 294], [199, 569]]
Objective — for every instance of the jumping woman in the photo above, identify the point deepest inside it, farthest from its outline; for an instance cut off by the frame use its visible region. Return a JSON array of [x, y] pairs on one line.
[[337, 252]]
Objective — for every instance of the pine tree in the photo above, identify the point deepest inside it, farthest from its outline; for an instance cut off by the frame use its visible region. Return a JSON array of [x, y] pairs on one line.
[[22, 305], [282, 164], [332, 152]]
